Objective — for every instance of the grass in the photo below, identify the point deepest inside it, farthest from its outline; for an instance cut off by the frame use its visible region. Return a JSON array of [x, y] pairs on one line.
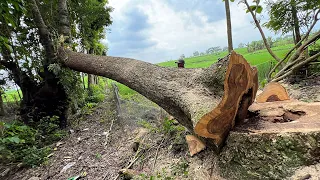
[[254, 58]]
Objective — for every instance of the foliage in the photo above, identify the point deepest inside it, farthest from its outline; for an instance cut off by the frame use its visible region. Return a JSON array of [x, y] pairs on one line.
[[281, 14], [98, 92], [20, 143], [91, 16]]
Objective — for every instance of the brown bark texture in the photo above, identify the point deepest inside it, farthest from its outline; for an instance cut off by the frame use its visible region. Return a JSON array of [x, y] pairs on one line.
[[229, 28], [204, 100], [2, 113]]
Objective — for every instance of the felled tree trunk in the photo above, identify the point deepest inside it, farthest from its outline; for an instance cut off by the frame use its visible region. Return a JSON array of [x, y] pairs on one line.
[[206, 101]]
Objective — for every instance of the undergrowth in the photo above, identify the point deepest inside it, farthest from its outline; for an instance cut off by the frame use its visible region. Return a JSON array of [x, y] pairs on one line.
[[29, 145], [21, 143]]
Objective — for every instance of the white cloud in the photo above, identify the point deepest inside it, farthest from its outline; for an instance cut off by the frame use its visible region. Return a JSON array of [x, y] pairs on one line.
[[178, 32]]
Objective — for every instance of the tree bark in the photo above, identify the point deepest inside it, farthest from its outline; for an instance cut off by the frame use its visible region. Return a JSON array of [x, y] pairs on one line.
[[51, 98], [229, 28], [206, 100], [296, 22], [64, 25], [2, 112]]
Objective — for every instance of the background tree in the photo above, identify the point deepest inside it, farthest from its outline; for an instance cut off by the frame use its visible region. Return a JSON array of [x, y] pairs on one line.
[[29, 34], [2, 112], [229, 28], [295, 58], [91, 16], [291, 16]]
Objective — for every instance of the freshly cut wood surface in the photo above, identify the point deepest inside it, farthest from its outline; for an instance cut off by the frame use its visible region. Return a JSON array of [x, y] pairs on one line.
[[273, 92], [282, 117], [195, 144], [240, 79]]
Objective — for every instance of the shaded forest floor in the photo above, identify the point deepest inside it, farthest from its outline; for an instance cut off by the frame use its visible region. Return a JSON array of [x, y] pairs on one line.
[[98, 151]]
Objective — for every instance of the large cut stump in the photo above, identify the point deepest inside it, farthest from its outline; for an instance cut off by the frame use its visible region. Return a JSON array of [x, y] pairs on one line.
[[277, 138], [206, 100]]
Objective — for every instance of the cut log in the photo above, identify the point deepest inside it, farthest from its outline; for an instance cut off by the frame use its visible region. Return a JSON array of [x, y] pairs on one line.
[[204, 100], [195, 144], [278, 137], [240, 85], [273, 92], [301, 115]]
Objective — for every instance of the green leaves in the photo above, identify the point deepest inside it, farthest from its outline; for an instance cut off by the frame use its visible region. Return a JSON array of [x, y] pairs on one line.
[[255, 8], [14, 139]]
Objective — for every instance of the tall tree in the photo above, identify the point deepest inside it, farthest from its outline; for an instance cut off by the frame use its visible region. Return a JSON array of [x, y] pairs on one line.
[[291, 16], [295, 58], [29, 35], [229, 28]]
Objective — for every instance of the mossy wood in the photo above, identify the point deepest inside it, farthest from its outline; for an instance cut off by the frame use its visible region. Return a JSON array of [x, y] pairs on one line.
[[205, 100]]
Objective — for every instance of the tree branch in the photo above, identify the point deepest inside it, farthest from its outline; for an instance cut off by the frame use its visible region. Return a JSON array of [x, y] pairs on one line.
[[299, 43], [295, 57], [297, 66], [64, 25], [261, 32], [45, 36]]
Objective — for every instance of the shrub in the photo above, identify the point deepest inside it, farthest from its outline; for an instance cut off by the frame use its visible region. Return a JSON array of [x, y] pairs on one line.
[[18, 143]]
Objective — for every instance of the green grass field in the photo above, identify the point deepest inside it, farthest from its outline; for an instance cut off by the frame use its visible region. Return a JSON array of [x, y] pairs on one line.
[[254, 58], [261, 59]]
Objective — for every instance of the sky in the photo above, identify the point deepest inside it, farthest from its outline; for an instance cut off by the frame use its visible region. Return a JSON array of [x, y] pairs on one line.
[[161, 30]]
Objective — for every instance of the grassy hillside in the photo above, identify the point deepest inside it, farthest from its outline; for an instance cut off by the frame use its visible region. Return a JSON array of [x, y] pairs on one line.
[[254, 58]]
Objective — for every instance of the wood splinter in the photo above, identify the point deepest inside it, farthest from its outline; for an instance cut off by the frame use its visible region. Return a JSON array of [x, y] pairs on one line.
[[195, 144]]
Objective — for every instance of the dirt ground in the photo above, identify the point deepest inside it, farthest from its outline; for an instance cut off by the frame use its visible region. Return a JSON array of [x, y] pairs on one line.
[[87, 150]]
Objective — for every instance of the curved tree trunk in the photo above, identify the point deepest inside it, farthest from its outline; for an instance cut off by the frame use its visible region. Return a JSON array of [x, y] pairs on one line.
[[206, 100]]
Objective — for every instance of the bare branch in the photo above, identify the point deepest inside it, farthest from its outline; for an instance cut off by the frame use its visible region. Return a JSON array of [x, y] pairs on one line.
[[261, 32], [299, 43], [297, 66]]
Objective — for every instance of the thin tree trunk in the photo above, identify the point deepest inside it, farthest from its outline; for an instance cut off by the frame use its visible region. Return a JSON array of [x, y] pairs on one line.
[[2, 112], [261, 32], [90, 78], [64, 25], [83, 81], [90, 84], [206, 101], [229, 28], [296, 22]]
